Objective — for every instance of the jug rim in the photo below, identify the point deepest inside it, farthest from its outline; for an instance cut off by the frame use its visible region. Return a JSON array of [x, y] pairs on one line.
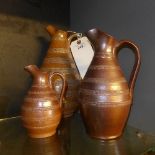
[[99, 30]]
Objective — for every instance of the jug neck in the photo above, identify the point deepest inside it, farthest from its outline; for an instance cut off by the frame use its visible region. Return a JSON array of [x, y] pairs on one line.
[[39, 77], [102, 42]]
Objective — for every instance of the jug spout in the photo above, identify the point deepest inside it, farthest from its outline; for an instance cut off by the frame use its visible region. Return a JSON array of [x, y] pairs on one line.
[[51, 29], [93, 34], [100, 40], [59, 37], [32, 69]]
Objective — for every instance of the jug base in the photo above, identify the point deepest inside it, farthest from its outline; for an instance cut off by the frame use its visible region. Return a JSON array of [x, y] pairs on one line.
[[42, 135], [104, 138], [65, 115]]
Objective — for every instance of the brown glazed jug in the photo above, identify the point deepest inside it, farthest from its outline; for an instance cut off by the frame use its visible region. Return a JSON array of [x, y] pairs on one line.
[[59, 58], [41, 110], [105, 96]]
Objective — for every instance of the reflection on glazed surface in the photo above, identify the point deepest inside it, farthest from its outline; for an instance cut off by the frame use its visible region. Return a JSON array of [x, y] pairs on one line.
[[71, 139], [44, 146]]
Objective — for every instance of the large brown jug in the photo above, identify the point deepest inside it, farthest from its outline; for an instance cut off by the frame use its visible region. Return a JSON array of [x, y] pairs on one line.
[[59, 58], [41, 110], [105, 95]]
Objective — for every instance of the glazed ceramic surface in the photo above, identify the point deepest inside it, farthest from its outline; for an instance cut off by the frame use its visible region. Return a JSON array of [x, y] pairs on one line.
[[59, 58], [105, 95], [41, 110]]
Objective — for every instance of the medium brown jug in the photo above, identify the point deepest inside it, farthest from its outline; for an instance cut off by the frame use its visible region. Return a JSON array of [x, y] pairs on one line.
[[105, 95], [59, 58], [41, 110]]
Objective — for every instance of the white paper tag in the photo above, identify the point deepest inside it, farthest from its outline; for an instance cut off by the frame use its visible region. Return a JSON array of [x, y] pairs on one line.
[[83, 54]]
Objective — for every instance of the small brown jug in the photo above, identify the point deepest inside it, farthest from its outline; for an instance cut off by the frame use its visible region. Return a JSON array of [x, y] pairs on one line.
[[41, 111], [59, 58], [105, 96]]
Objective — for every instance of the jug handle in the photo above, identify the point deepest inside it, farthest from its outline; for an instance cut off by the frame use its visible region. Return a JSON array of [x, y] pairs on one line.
[[64, 86], [136, 67]]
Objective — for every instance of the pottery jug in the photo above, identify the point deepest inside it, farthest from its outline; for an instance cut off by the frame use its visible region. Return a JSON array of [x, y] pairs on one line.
[[59, 58], [41, 110], [105, 96]]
